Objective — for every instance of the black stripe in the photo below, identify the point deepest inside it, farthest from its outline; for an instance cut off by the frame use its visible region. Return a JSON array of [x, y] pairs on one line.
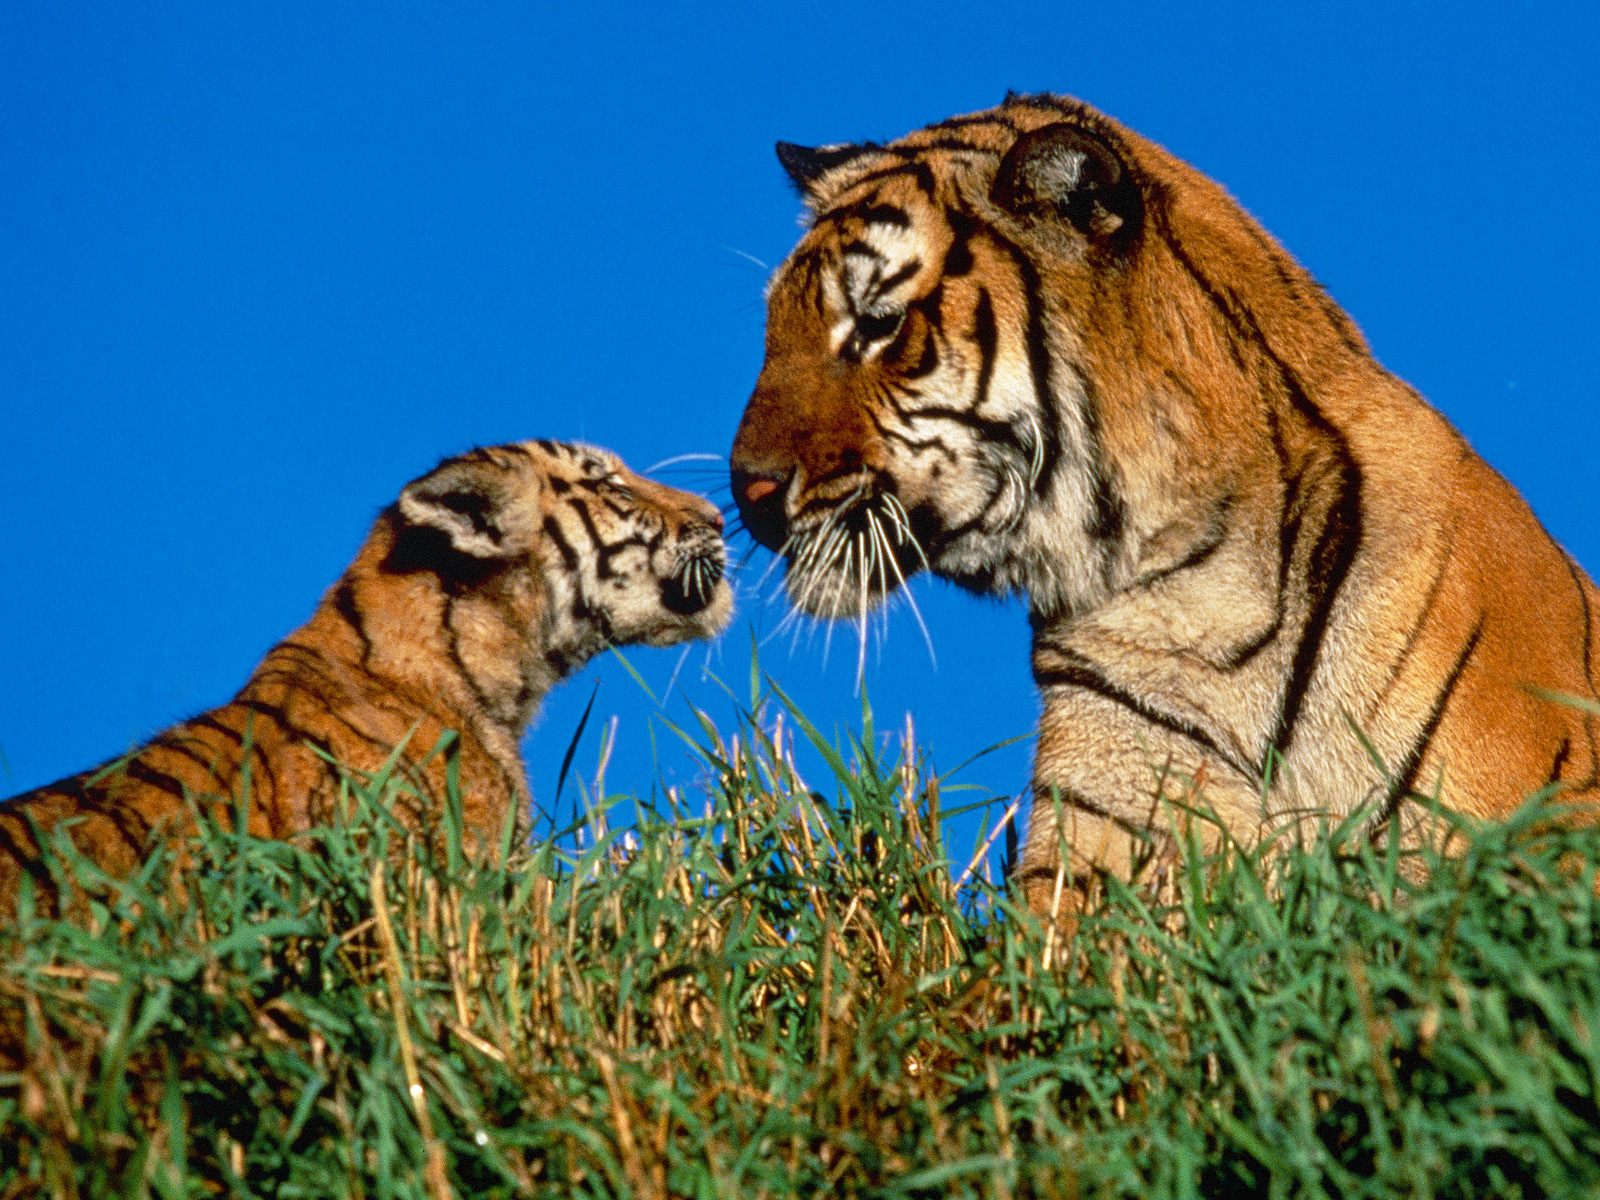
[[939, 536], [1330, 563], [1039, 362], [869, 211], [160, 780], [1340, 538], [960, 145], [1414, 635], [902, 334], [1001, 432], [569, 556], [1405, 777], [921, 174], [895, 278], [933, 442], [856, 248], [886, 214], [1109, 515], [1296, 279], [344, 603], [977, 119], [1562, 752], [298, 732], [986, 337], [1107, 519], [91, 799], [26, 859], [208, 765], [1206, 545], [1289, 513], [606, 551], [259, 760], [958, 258], [310, 659], [1046, 795], [207, 721], [1076, 671], [453, 648]]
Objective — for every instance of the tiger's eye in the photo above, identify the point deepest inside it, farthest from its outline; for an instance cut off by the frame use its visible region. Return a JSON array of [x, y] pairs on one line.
[[876, 326]]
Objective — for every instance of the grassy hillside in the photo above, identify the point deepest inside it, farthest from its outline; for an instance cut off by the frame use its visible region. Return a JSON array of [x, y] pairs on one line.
[[765, 990]]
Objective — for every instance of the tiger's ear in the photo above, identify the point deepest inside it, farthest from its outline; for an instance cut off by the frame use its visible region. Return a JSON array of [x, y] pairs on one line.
[[806, 165], [477, 506], [1065, 171]]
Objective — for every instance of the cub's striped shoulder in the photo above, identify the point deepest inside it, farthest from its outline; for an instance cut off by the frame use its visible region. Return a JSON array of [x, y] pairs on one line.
[[486, 582]]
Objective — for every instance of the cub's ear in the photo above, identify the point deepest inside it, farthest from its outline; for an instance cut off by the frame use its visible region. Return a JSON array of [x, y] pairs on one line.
[[1065, 171], [806, 165], [479, 507]]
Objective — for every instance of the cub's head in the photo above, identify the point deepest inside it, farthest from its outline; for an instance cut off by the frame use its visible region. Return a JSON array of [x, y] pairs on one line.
[[1000, 351], [613, 558]]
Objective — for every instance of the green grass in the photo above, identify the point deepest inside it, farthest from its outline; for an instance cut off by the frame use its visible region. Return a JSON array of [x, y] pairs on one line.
[[763, 990]]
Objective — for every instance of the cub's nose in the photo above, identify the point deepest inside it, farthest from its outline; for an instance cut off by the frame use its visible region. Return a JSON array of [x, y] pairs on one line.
[[760, 496], [706, 513]]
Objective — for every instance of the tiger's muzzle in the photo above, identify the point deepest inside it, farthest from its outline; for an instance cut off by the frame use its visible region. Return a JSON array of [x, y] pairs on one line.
[[701, 561], [763, 498]]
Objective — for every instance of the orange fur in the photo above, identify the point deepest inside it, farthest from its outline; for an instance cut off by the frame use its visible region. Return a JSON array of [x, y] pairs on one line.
[[1071, 366], [490, 579]]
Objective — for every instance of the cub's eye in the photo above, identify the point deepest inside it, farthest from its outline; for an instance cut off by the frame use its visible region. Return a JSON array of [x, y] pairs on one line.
[[878, 326], [617, 484]]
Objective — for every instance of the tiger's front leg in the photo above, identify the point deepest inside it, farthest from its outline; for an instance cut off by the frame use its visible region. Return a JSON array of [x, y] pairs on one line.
[[1114, 793]]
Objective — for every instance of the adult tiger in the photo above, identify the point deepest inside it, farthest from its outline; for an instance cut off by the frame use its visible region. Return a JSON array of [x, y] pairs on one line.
[[1035, 352], [490, 579]]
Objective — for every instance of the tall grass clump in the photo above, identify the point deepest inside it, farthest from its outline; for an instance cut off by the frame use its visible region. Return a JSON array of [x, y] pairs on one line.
[[772, 988]]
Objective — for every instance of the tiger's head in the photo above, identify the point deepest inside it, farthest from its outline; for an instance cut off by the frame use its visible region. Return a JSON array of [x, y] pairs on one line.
[[612, 557], [992, 354]]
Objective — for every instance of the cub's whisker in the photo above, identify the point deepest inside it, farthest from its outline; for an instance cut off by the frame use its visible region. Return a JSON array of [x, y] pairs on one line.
[[678, 459]]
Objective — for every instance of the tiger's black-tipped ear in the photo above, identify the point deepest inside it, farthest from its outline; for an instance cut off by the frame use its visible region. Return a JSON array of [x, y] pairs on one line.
[[806, 165], [474, 507], [1065, 171]]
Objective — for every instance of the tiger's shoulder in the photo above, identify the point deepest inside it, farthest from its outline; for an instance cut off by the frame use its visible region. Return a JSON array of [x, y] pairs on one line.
[[1033, 351]]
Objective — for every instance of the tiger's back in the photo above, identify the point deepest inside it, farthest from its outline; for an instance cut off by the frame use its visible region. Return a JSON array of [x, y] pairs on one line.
[[1053, 359], [488, 581]]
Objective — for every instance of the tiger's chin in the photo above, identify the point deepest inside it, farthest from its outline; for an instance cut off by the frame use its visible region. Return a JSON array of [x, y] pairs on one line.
[[693, 602]]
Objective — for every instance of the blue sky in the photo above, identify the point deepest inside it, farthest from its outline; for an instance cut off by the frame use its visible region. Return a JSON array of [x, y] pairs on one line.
[[260, 265]]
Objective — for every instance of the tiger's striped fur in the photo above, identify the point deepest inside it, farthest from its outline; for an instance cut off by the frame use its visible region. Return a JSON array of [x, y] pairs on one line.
[[1035, 352], [489, 580]]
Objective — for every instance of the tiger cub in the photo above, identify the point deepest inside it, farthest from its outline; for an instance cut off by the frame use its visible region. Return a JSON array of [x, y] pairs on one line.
[[489, 580], [1035, 352]]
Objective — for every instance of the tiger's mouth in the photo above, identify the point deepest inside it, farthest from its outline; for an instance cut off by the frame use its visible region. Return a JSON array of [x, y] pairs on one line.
[[694, 586], [690, 578]]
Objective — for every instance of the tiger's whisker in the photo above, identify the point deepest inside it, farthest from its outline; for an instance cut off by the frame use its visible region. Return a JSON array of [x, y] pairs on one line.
[[684, 458], [749, 258], [862, 611], [672, 679], [903, 520], [911, 601]]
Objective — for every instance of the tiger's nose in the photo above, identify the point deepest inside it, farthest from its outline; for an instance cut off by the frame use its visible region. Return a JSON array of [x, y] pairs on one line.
[[760, 496]]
